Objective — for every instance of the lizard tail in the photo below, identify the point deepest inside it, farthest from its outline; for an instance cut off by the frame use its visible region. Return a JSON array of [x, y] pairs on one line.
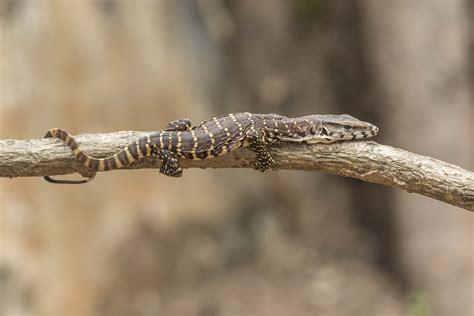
[[129, 154]]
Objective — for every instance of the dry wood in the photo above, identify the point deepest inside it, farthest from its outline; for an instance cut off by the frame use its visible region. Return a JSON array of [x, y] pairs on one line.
[[366, 161]]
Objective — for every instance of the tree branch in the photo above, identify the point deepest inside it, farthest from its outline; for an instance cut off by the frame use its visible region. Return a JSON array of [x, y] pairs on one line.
[[366, 161]]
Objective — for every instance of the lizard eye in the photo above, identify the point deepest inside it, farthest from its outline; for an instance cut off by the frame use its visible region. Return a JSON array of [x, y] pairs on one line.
[[324, 131], [347, 127]]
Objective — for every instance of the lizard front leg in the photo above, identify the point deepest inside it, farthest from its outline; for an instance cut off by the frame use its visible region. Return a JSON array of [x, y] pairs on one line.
[[257, 143]]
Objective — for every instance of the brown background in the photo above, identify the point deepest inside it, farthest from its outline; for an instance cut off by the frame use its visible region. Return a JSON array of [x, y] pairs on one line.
[[235, 242]]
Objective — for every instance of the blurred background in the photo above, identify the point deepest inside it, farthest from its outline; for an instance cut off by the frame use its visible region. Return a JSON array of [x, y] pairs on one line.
[[236, 242]]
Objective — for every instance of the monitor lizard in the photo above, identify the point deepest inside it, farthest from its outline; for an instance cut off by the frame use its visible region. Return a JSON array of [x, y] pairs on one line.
[[220, 135]]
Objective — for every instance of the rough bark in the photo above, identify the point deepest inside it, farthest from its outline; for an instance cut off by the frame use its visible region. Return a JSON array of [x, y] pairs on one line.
[[366, 161]]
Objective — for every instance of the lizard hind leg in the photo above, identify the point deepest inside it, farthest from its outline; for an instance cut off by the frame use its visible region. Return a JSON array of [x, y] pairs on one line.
[[179, 125], [169, 164]]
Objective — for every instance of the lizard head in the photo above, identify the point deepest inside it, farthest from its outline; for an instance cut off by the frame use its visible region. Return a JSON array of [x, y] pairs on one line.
[[332, 128]]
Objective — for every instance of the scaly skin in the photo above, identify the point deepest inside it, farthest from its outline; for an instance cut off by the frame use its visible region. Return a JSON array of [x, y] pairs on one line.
[[220, 135]]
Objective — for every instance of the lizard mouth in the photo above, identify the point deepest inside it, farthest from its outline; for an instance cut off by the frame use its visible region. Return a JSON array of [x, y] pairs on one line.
[[363, 134]]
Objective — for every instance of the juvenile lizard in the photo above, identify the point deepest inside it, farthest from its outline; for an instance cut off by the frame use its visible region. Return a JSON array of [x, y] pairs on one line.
[[220, 135]]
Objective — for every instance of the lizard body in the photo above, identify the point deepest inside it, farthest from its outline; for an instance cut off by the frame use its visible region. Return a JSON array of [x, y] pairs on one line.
[[220, 135]]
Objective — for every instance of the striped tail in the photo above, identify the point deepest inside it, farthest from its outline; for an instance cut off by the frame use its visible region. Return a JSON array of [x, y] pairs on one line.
[[132, 152]]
